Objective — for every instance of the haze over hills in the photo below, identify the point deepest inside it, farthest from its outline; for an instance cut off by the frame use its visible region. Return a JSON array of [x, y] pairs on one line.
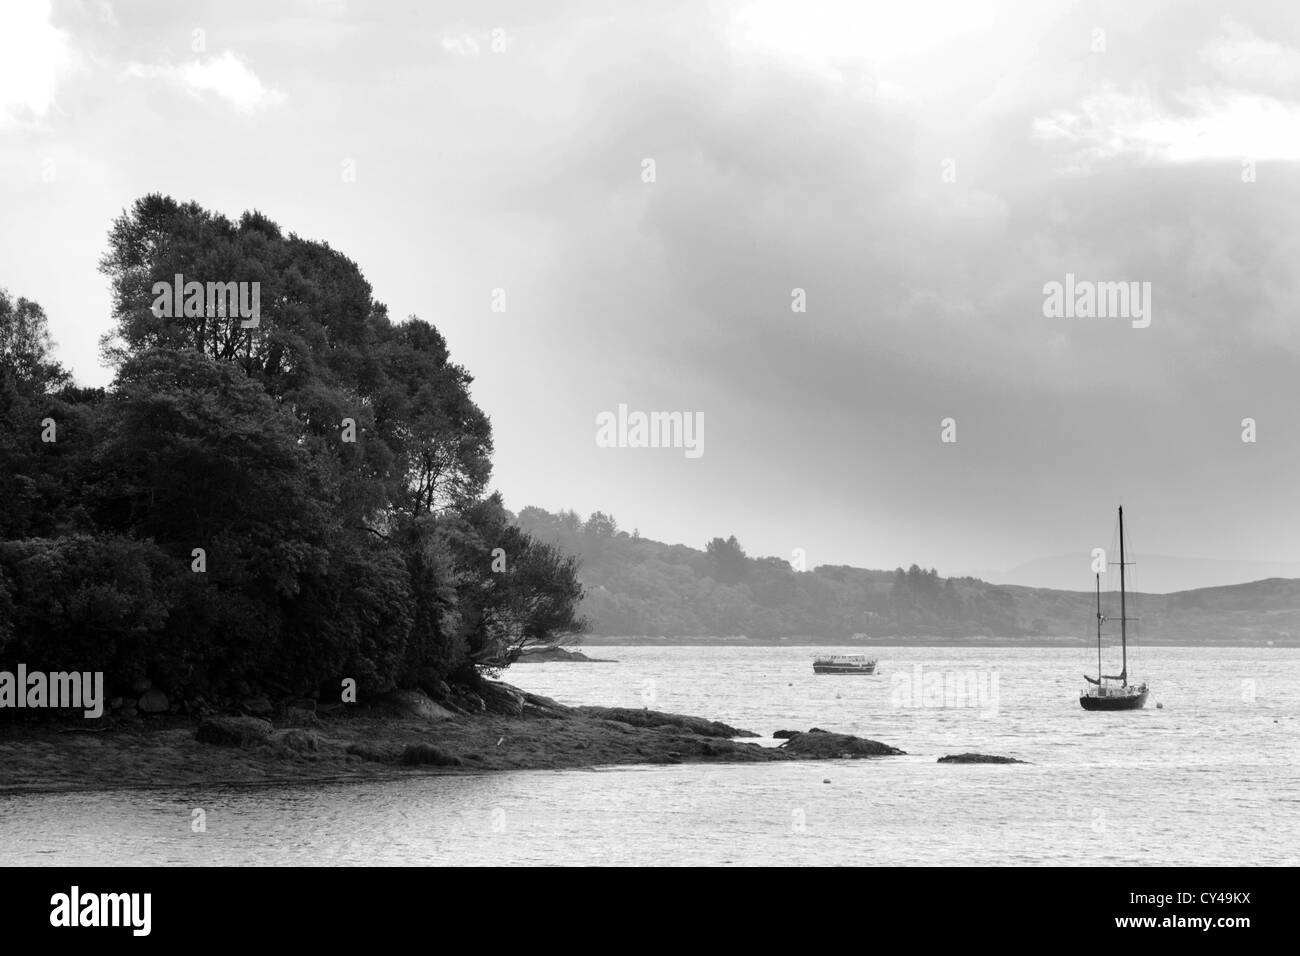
[[644, 591], [1154, 573]]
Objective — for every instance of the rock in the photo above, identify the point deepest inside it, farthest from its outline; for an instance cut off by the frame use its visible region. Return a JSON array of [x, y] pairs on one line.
[[825, 745], [655, 718], [978, 758], [535, 705], [818, 730], [416, 703], [501, 698], [786, 734], [429, 681], [544, 655], [233, 731], [417, 754], [674, 729], [368, 752], [140, 685], [257, 706], [153, 701]]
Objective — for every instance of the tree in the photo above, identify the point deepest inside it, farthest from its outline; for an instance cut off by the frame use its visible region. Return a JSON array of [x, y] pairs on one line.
[[727, 560]]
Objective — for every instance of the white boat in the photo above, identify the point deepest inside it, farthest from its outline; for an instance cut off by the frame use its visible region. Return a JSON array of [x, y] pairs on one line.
[[844, 664]]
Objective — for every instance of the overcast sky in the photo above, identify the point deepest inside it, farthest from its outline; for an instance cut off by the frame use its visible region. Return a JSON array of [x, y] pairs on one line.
[[920, 169]]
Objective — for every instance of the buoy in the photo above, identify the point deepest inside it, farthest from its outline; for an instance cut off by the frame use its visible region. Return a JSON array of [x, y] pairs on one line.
[[827, 780]]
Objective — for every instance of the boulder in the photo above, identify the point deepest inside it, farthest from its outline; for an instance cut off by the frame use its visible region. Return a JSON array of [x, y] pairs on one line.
[[535, 705], [418, 754], [368, 752], [543, 655], [153, 701], [233, 731], [429, 681], [825, 745], [786, 734], [416, 703], [257, 706], [655, 718], [978, 758], [501, 698]]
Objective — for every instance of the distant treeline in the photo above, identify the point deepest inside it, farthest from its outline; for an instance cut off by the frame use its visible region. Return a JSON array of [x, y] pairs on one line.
[[637, 587], [279, 507]]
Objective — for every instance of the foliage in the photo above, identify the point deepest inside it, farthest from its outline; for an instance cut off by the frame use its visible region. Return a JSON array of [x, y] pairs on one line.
[[278, 507]]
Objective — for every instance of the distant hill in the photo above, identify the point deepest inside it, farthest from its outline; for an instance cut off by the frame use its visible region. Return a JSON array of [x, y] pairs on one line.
[[1155, 573], [645, 591]]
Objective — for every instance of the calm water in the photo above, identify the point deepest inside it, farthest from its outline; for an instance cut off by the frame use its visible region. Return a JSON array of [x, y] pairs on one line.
[[1212, 778]]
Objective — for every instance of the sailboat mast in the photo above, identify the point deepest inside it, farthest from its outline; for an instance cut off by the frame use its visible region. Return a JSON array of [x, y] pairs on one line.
[[1123, 614], [1098, 625]]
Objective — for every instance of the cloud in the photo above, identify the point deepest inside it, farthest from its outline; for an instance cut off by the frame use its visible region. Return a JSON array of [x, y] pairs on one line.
[[1204, 125], [33, 54], [225, 76], [1242, 56], [1244, 109]]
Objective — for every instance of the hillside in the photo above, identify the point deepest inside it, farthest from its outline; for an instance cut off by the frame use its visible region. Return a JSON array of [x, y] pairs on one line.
[[639, 590]]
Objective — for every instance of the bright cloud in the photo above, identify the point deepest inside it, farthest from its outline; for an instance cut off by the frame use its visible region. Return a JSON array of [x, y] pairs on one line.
[[1209, 125], [1234, 116], [32, 55], [225, 76]]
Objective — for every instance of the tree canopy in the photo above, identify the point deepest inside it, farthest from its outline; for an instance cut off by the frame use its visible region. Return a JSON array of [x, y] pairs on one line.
[[281, 505]]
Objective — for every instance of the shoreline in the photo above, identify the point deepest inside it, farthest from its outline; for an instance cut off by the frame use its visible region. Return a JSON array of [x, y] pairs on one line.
[[1001, 643], [391, 739]]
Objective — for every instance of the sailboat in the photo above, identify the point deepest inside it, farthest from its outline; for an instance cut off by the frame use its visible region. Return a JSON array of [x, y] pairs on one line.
[[1102, 692]]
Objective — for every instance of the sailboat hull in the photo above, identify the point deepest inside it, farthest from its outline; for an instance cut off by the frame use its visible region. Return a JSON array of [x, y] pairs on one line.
[[1117, 702]]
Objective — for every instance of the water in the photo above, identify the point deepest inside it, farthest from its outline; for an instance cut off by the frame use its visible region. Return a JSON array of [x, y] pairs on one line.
[[1213, 778]]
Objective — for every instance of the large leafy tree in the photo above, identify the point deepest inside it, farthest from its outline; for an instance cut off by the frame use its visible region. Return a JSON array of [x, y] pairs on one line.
[[284, 504]]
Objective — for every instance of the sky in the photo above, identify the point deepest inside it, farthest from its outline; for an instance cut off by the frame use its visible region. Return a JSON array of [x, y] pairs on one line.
[[616, 203]]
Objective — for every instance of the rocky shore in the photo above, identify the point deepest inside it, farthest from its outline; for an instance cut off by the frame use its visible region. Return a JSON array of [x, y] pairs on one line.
[[549, 655], [494, 727]]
